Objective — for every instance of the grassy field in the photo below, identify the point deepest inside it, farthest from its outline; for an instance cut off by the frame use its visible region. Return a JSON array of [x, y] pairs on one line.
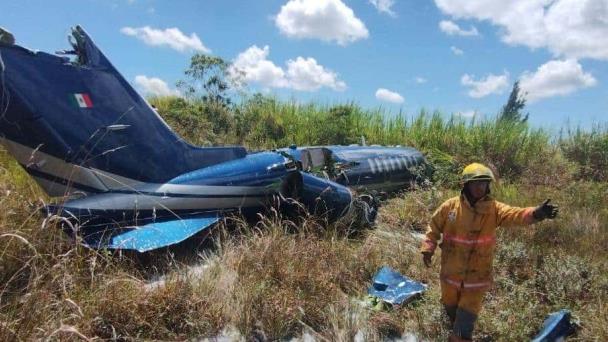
[[281, 280]]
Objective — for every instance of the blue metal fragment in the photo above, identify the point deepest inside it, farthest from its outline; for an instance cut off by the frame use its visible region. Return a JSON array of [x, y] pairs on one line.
[[557, 327], [394, 288], [152, 235]]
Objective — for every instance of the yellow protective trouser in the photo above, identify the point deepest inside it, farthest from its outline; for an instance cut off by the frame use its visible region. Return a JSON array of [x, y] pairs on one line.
[[462, 306]]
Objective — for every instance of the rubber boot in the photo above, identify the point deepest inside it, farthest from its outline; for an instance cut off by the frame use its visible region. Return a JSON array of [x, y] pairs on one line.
[[450, 311], [464, 324]]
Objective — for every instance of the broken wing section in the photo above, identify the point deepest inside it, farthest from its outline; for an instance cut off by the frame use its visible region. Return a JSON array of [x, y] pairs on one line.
[[143, 238]]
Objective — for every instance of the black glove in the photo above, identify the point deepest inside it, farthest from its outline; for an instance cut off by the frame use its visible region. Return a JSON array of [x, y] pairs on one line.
[[545, 211]]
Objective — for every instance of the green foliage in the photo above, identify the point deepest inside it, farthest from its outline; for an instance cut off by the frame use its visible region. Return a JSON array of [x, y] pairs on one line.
[[516, 103], [208, 83], [454, 141], [257, 124], [506, 146], [187, 118], [264, 122], [207, 79], [337, 126], [589, 150]]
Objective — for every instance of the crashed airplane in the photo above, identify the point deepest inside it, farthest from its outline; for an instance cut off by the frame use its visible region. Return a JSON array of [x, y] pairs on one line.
[[126, 180], [367, 169]]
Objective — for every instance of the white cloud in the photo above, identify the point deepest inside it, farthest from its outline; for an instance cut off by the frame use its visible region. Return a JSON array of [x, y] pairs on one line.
[[452, 29], [306, 74], [256, 68], [303, 74], [388, 96], [154, 86], [172, 37], [568, 28], [456, 51], [557, 77], [328, 20], [491, 84], [384, 6], [420, 80]]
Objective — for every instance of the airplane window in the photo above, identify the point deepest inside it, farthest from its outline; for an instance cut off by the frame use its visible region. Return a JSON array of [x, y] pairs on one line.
[[318, 157], [307, 164]]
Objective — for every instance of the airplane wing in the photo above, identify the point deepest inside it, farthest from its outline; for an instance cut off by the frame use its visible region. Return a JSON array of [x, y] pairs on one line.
[[143, 238]]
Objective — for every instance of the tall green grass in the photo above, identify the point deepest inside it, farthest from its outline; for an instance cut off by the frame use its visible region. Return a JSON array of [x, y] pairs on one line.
[[589, 149]]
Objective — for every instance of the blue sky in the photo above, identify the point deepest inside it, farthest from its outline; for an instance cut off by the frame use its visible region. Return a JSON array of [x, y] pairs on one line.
[[456, 56]]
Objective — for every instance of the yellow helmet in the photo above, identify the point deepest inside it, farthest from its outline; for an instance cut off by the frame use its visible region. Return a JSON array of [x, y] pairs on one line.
[[477, 171]]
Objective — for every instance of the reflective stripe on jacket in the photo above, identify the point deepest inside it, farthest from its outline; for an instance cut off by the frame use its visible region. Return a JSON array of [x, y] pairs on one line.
[[469, 238]]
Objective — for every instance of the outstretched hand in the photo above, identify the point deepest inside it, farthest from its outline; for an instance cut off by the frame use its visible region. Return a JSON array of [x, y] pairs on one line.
[[545, 211]]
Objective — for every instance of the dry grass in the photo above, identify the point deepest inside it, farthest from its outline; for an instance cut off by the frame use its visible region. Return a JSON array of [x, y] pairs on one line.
[[281, 280]]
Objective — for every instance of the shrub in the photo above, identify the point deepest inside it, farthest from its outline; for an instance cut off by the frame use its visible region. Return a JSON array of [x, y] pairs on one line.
[[187, 118], [589, 149]]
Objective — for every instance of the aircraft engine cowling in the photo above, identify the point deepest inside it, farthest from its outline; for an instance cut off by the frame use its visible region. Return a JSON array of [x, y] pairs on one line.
[[324, 197]]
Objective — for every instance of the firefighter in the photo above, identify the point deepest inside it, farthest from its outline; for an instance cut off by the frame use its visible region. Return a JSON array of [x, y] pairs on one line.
[[467, 225]]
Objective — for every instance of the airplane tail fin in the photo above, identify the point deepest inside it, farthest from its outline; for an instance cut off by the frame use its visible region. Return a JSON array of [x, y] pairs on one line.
[[75, 124]]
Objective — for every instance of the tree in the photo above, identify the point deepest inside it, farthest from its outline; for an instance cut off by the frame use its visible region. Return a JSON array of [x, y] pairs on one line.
[[209, 81], [512, 111], [209, 75]]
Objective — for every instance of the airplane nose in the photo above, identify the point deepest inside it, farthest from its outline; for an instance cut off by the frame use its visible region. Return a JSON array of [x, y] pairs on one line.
[[328, 199]]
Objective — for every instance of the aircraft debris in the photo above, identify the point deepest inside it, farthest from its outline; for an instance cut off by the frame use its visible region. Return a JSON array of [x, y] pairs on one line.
[[556, 327], [393, 288], [367, 169], [125, 179]]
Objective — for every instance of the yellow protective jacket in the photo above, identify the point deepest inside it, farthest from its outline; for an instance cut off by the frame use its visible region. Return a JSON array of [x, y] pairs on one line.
[[469, 238]]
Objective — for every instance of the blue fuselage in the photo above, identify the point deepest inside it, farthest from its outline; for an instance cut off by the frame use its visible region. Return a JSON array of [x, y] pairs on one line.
[[364, 168], [244, 184]]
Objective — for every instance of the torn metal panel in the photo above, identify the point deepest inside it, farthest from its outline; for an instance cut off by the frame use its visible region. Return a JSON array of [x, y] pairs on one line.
[[557, 327], [394, 288]]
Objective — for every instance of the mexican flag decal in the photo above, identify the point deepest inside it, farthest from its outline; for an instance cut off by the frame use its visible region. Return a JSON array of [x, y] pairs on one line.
[[82, 100]]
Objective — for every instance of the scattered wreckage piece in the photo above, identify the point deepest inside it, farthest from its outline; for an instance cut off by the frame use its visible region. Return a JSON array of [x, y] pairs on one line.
[[556, 327], [393, 288], [366, 169], [125, 179]]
